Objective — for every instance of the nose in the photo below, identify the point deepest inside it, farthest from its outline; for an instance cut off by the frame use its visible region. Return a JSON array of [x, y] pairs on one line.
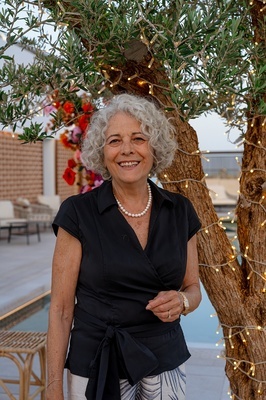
[[127, 147]]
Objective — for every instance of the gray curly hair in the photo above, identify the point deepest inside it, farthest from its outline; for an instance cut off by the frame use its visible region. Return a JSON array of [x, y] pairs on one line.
[[154, 125]]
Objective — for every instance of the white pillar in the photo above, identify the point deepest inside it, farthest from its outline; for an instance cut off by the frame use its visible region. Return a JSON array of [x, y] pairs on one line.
[[49, 167]]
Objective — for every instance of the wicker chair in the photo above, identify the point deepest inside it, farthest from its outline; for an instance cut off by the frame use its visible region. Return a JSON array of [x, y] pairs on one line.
[[33, 212], [53, 202], [21, 347]]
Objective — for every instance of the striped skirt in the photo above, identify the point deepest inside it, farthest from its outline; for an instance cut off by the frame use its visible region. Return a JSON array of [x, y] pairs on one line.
[[169, 385]]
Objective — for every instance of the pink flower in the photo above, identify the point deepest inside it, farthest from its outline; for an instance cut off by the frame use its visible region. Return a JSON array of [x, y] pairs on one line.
[[77, 156], [75, 134], [85, 188], [49, 109], [97, 183]]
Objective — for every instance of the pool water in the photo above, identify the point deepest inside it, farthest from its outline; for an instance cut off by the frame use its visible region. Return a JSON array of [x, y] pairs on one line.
[[37, 322], [201, 325]]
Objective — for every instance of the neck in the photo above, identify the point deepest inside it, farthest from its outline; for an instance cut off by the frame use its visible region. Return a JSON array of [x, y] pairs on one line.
[[130, 191], [129, 211]]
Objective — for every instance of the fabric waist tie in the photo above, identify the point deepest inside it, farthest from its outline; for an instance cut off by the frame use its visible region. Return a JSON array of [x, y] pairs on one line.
[[119, 350]]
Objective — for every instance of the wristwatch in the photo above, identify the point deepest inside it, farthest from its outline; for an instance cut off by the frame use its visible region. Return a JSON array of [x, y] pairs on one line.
[[185, 303]]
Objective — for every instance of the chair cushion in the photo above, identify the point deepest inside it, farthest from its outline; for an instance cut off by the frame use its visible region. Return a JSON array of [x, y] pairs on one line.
[[6, 209], [23, 202]]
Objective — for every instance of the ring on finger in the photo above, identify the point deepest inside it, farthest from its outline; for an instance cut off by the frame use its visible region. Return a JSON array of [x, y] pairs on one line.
[[169, 315]]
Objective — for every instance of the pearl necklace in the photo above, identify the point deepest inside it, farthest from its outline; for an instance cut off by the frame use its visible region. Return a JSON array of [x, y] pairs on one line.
[[124, 211]]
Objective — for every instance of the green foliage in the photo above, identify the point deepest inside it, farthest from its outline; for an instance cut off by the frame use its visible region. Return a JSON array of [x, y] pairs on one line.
[[206, 48], [33, 133]]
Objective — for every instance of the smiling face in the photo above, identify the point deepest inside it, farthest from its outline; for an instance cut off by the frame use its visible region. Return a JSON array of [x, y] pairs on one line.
[[127, 153]]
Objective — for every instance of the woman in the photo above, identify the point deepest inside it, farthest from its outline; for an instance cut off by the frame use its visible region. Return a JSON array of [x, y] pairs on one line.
[[125, 266]]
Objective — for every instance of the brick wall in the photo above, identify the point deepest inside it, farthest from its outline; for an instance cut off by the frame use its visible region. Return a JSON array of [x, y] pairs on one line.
[[20, 168], [21, 173]]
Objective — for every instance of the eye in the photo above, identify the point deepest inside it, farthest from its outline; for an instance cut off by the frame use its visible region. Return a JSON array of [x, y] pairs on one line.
[[138, 140], [114, 142]]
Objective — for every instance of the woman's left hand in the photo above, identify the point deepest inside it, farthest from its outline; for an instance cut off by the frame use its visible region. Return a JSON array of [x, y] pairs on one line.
[[167, 305]]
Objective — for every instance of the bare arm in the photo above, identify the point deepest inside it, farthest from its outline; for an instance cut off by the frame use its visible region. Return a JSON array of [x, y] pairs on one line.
[[171, 302], [65, 270]]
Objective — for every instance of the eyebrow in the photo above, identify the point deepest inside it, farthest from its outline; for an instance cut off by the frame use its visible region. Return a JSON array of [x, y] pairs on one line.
[[118, 134]]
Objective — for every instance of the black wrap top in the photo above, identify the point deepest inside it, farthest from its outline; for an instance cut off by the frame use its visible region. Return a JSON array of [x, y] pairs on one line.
[[113, 335]]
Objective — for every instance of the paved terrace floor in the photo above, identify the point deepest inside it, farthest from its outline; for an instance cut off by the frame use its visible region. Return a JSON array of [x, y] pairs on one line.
[[25, 274]]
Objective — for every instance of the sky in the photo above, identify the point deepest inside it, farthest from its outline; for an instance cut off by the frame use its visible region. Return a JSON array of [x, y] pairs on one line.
[[211, 134]]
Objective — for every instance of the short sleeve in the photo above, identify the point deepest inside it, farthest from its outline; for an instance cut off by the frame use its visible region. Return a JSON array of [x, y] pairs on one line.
[[67, 219], [193, 220]]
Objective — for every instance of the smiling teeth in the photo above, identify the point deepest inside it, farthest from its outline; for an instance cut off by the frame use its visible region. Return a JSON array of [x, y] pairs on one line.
[[128, 164]]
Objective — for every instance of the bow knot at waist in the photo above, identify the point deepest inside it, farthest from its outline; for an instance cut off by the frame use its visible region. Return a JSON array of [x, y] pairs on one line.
[[119, 355]]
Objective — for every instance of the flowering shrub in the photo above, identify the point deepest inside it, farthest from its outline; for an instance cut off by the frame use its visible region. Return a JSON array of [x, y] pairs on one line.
[[73, 112]]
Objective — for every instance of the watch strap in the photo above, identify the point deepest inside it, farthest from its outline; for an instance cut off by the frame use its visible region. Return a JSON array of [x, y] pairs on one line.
[[185, 303]]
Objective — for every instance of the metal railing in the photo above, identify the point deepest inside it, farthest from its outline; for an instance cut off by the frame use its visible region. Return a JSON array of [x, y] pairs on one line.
[[222, 164]]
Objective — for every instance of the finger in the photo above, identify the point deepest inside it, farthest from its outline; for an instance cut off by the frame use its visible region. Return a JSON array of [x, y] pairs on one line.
[[166, 303], [171, 313], [166, 316], [162, 298], [160, 308], [157, 302]]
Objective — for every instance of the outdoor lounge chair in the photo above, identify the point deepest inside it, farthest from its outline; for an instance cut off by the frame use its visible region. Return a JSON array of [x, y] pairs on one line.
[[9, 221], [53, 202]]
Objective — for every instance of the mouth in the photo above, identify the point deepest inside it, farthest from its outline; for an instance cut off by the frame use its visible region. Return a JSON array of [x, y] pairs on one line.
[[128, 164]]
